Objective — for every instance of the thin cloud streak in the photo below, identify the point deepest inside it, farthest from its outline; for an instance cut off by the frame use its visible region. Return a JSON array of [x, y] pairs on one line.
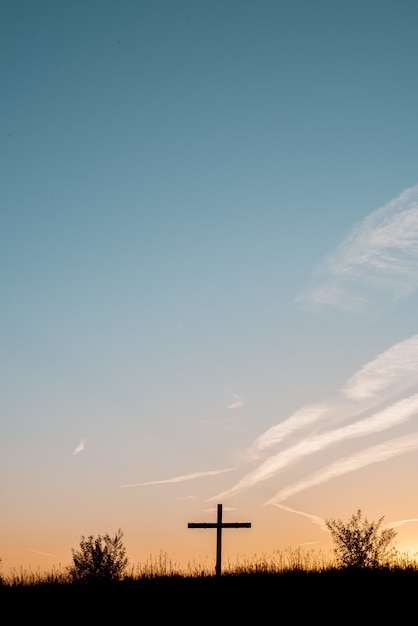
[[43, 553], [237, 402], [387, 418], [375, 454], [276, 434], [393, 369], [80, 447], [315, 519], [380, 254], [402, 522], [180, 479]]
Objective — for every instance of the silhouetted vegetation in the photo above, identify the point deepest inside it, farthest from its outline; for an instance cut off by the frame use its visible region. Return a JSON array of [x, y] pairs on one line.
[[358, 542], [305, 584], [99, 559], [363, 595]]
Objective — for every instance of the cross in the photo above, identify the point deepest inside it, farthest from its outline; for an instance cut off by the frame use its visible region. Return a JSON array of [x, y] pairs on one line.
[[219, 525]]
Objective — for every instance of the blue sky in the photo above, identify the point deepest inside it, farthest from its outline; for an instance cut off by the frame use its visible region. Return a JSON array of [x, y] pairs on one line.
[[209, 225]]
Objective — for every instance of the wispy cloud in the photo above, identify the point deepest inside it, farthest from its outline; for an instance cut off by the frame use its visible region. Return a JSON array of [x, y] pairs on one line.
[[389, 417], [43, 553], [277, 433], [389, 373], [313, 518], [379, 255], [402, 522], [319, 426], [237, 401], [374, 454], [392, 370], [180, 479], [319, 521], [189, 497], [80, 447]]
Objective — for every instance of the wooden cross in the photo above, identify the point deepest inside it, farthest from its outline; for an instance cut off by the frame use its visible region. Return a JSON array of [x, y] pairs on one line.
[[219, 525]]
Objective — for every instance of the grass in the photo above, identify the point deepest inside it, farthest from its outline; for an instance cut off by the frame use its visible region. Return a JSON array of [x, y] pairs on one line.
[[291, 560], [291, 585]]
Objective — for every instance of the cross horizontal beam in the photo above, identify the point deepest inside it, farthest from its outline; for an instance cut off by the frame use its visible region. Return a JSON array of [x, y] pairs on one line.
[[223, 525]]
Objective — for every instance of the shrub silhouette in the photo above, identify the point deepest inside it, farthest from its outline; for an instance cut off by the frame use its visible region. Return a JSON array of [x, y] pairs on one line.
[[99, 559], [358, 542]]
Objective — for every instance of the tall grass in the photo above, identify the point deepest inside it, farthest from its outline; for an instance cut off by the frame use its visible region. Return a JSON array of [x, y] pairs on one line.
[[281, 561], [161, 566], [26, 577]]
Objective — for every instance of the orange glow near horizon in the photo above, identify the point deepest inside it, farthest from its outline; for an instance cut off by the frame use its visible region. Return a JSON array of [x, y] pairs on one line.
[[183, 548]]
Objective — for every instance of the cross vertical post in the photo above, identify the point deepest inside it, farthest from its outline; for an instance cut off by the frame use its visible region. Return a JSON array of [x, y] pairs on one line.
[[219, 541], [219, 526]]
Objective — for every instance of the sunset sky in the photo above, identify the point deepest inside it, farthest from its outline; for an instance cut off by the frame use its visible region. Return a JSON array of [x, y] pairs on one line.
[[209, 273]]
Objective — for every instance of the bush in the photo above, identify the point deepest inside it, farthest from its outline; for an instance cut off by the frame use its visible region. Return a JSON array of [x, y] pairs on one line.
[[99, 559], [358, 542]]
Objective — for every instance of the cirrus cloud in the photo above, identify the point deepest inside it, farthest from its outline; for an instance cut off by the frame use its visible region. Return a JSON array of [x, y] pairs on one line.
[[379, 256]]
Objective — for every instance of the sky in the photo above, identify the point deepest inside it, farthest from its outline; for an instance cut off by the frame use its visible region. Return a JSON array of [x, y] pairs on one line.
[[209, 273]]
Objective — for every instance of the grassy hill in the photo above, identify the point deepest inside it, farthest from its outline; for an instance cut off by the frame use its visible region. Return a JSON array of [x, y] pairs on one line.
[[332, 596]]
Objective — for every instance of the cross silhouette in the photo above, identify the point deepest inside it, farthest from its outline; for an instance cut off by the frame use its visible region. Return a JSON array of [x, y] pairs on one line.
[[219, 525]]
